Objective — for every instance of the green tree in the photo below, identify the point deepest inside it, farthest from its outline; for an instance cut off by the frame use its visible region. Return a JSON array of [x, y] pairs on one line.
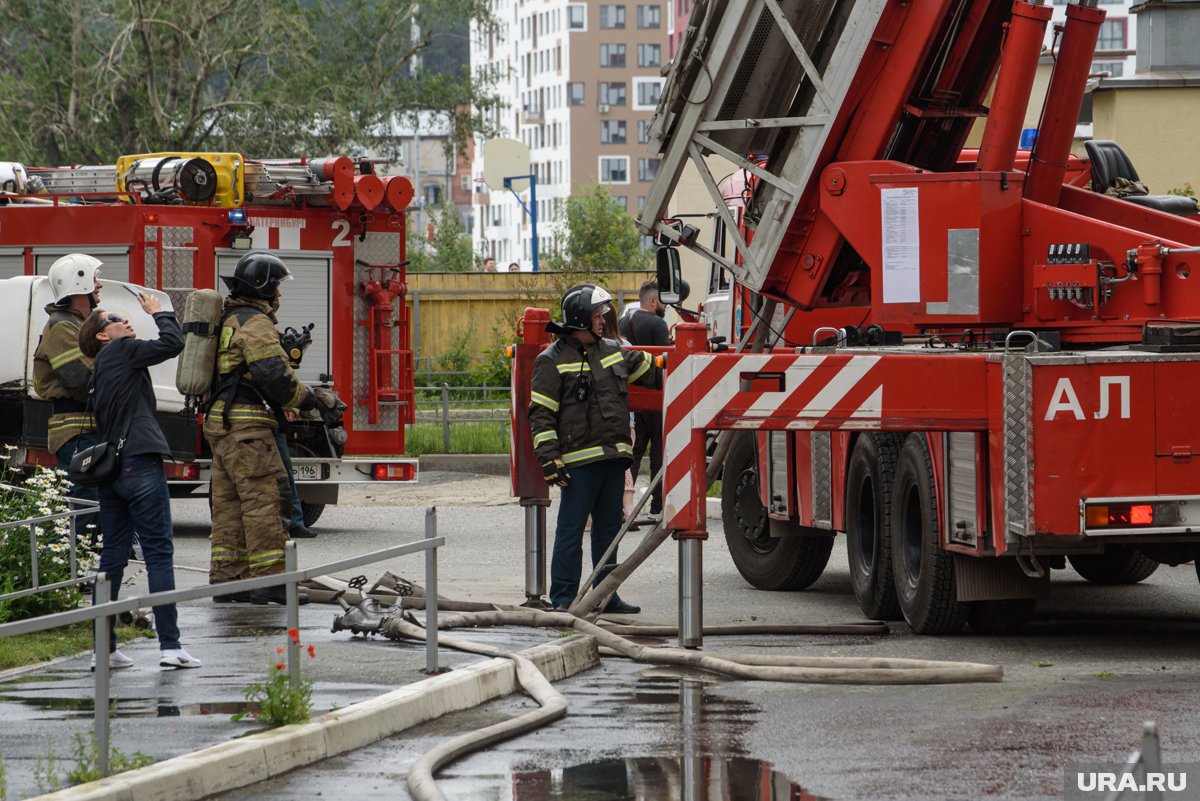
[[85, 81], [450, 251]]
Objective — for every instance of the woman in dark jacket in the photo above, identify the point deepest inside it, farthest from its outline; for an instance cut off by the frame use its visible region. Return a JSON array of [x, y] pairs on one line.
[[138, 499]]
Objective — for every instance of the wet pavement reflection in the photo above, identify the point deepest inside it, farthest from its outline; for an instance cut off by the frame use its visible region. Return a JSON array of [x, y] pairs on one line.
[[659, 779], [700, 773]]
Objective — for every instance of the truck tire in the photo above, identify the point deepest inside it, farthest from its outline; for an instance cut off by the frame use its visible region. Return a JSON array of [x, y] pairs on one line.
[[924, 572], [768, 563], [869, 476], [1119, 564], [1000, 617], [312, 513]]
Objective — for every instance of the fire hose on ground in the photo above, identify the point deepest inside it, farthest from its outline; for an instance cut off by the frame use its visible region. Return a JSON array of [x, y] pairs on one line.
[[371, 617]]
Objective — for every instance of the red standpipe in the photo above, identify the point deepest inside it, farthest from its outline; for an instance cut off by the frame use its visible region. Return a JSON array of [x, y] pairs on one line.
[[1018, 68], [380, 295], [1063, 100]]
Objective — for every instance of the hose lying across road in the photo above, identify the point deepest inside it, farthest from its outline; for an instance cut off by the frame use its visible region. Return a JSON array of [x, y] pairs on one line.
[[398, 624]]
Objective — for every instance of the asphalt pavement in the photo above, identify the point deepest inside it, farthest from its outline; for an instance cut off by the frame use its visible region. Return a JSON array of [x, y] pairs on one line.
[[1094, 664]]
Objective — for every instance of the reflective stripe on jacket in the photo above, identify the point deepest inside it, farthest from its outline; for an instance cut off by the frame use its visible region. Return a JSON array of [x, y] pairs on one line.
[[62, 372], [579, 405], [249, 342]]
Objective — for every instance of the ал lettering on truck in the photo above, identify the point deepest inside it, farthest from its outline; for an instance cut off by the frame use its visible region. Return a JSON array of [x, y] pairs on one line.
[[969, 363], [172, 223]]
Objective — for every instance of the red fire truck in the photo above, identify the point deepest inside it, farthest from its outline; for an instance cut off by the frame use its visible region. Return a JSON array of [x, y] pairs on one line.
[[175, 222], [980, 369]]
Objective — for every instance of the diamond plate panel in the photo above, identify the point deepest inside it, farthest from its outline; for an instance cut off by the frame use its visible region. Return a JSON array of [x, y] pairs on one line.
[[377, 248], [178, 264], [1018, 446], [822, 478]]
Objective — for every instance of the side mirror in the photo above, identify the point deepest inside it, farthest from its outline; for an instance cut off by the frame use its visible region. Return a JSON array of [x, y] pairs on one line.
[[667, 275]]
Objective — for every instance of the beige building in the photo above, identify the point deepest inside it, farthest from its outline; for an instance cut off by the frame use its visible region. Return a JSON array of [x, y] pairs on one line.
[[581, 81]]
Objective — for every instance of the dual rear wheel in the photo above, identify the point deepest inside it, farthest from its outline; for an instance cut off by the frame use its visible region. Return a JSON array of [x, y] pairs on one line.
[[897, 567]]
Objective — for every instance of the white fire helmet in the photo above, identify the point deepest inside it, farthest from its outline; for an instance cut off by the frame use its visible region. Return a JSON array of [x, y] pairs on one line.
[[74, 274]]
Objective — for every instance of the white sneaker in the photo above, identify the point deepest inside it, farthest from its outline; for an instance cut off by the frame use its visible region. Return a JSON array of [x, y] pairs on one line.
[[178, 658], [116, 661]]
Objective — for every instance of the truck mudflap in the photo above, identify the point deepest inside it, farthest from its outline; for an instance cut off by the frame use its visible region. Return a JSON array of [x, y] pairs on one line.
[[1103, 444]]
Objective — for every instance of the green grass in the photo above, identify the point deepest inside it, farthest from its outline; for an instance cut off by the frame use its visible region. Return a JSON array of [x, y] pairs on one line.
[[426, 438], [715, 490], [42, 646]]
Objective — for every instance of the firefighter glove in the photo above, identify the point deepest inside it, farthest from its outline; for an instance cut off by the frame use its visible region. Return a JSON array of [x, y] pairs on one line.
[[555, 473]]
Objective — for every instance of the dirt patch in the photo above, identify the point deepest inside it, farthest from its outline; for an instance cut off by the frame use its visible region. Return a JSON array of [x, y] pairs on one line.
[[434, 490]]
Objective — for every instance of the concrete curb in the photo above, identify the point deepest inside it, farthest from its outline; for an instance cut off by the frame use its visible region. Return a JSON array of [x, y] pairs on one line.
[[251, 759], [493, 464]]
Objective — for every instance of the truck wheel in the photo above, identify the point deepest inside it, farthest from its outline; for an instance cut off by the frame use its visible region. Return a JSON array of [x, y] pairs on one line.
[[868, 498], [790, 562], [924, 572], [1000, 617], [1119, 564], [312, 513]]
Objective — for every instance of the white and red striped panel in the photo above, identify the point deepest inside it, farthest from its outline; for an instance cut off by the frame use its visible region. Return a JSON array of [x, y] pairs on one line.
[[706, 392], [924, 390]]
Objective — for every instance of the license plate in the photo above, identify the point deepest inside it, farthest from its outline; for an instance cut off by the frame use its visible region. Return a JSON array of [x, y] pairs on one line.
[[306, 472]]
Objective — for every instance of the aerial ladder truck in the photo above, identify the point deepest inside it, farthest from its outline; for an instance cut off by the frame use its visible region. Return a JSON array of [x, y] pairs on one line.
[[171, 223], [971, 365]]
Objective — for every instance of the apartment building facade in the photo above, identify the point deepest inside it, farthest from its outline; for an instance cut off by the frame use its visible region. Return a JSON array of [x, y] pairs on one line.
[[580, 81]]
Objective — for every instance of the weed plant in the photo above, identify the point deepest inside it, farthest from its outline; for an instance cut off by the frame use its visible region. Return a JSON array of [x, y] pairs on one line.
[[278, 702]]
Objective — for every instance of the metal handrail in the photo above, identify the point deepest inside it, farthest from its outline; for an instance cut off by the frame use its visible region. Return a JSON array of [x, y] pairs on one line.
[[81, 506], [100, 613]]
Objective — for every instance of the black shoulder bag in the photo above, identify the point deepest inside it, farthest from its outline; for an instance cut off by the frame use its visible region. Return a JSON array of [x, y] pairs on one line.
[[99, 464]]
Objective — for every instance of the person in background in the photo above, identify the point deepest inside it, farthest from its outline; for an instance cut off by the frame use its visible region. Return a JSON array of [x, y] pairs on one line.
[[514, 267], [489, 265], [138, 499], [646, 326], [62, 374], [579, 419]]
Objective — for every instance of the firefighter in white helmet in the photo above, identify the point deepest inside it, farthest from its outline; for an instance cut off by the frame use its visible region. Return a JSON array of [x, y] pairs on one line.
[[62, 374]]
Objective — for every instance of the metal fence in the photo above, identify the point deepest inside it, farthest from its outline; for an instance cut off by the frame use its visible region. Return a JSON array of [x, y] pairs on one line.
[[447, 403], [82, 507], [100, 613]]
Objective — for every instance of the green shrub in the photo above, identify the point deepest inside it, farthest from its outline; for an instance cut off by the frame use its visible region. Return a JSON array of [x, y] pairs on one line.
[[45, 495]]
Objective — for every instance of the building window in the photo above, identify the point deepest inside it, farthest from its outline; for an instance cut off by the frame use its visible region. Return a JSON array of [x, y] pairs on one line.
[[1112, 35], [612, 93], [612, 132], [575, 93], [577, 17], [622, 201], [612, 17], [614, 169], [649, 16], [1115, 69], [646, 92], [643, 132], [649, 55], [612, 55], [647, 169]]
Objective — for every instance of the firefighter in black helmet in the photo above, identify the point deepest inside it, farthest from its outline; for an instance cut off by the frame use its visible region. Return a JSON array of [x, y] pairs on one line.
[[251, 490], [579, 418]]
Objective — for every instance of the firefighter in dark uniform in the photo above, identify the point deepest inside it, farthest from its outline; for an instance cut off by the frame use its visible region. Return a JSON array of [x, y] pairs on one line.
[[62, 374], [579, 418], [251, 495]]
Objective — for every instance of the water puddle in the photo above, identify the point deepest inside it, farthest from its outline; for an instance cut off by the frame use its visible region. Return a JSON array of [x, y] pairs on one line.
[[660, 779], [131, 707]]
